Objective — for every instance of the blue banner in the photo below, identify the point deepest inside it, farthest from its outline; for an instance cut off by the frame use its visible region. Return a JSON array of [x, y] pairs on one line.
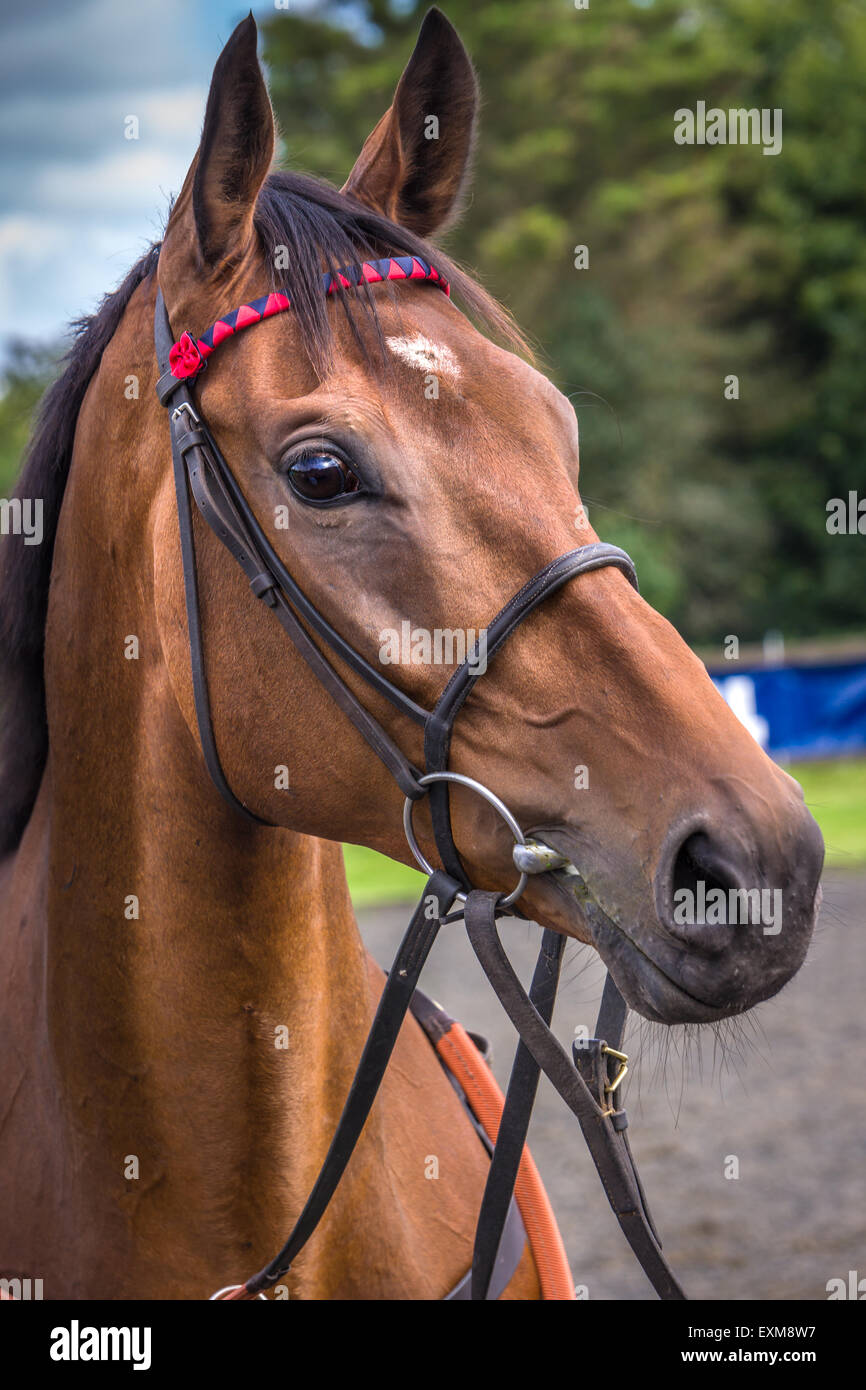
[[800, 711]]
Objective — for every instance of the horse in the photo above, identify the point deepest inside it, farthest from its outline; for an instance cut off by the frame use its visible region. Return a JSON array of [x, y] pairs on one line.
[[185, 993]]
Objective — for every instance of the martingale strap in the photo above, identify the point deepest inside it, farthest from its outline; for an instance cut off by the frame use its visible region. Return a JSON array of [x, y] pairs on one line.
[[438, 895], [514, 1123], [589, 1084], [585, 1088]]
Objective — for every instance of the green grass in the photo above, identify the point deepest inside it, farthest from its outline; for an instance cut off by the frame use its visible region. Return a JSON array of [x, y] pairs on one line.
[[374, 879], [835, 794]]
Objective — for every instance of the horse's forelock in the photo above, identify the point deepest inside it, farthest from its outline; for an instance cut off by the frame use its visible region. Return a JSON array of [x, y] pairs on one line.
[[306, 226]]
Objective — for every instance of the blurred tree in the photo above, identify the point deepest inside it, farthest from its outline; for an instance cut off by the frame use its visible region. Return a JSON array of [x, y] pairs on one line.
[[704, 262]]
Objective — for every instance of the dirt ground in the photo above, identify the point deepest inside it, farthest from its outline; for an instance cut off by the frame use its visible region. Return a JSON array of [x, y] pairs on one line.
[[787, 1097]]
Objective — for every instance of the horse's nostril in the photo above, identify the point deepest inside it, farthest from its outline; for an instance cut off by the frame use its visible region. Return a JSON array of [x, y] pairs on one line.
[[698, 861], [696, 894]]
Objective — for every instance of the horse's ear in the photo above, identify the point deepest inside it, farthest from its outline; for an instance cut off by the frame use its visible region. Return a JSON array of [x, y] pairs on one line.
[[414, 164], [234, 156]]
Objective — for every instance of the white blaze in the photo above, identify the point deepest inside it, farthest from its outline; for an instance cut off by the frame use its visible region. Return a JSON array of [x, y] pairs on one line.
[[425, 356]]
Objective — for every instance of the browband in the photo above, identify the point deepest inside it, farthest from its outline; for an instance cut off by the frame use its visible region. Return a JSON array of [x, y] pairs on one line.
[[189, 355]]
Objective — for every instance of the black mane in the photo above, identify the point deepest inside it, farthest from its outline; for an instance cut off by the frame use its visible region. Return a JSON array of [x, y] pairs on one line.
[[319, 227], [25, 570]]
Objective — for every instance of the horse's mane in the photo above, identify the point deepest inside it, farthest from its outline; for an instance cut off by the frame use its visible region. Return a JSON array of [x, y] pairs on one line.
[[312, 225]]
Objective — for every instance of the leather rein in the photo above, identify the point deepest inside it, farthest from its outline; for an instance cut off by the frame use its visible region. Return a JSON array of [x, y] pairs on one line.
[[589, 1082]]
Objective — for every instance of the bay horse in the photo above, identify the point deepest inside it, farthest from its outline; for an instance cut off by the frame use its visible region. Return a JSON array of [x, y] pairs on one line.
[[154, 1141]]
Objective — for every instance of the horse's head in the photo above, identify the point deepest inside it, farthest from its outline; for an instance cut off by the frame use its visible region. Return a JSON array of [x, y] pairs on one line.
[[412, 475]]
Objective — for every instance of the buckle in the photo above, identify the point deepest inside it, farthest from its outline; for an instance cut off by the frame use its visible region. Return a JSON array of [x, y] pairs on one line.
[[622, 1058], [185, 409]]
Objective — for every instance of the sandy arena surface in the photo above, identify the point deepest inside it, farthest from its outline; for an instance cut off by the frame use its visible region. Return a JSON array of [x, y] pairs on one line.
[[787, 1099]]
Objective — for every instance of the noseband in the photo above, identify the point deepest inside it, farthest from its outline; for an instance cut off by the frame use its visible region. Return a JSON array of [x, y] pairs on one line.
[[589, 1083]]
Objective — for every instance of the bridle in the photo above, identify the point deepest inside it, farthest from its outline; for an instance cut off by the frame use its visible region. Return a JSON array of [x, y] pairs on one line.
[[588, 1084]]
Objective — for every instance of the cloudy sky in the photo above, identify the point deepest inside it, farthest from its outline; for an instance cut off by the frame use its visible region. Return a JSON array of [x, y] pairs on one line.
[[78, 201]]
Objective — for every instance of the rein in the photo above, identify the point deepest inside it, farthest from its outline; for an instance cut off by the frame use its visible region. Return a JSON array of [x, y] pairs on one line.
[[588, 1084]]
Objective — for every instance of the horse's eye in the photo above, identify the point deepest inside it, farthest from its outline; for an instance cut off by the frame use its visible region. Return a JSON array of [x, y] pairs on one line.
[[319, 477]]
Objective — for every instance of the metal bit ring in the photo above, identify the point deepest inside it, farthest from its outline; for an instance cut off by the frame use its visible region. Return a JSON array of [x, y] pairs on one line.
[[492, 799]]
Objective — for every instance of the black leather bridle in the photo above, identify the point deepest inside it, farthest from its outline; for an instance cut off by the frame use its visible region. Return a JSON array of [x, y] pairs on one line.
[[588, 1085]]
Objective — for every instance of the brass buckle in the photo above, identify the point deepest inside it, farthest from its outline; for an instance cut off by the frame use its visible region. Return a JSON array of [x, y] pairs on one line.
[[622, 1058]]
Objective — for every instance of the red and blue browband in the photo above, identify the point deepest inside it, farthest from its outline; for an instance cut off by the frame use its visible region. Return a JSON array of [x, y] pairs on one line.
[[188, 355]]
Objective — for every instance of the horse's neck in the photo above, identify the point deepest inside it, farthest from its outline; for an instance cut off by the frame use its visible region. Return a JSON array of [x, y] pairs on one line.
[[207, 990]]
